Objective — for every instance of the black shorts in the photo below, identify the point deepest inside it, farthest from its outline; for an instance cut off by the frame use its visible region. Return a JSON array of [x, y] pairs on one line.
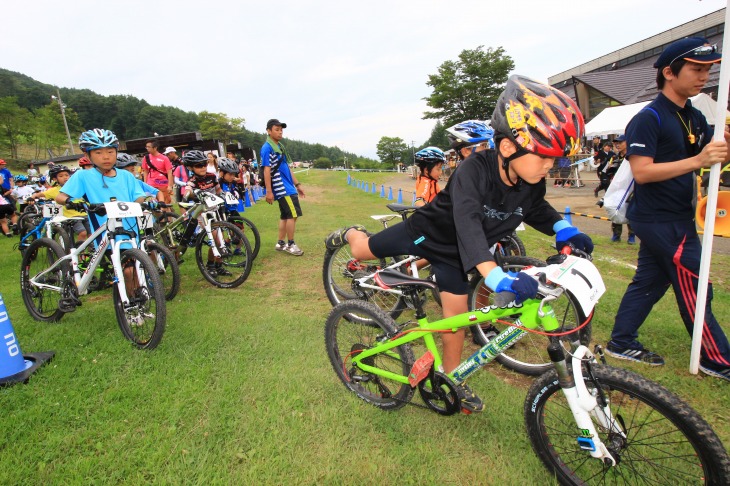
[[6, 210], [289, 207], [394, 241]]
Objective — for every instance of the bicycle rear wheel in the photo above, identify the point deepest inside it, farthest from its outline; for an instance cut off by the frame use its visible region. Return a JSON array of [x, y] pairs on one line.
[[665, 440], [42, 304], [529, 355], [511, 245], [233, 267], [251, 232], [354, 326], [167, 267], [143, 319], [339, 271]]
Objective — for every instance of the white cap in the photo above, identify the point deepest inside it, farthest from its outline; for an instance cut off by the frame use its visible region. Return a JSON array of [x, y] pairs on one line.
[[169, 149]]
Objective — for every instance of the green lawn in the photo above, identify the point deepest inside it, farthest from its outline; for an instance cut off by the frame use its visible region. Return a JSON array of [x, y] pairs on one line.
[[240, 390]]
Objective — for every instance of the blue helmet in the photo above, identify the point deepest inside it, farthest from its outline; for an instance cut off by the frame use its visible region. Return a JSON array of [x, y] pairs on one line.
[[470, 132], [429, 157], [21, 178], [97, 138], [42, 179]]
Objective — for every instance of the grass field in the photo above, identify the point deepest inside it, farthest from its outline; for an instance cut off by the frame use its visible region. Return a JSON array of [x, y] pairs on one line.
[[240, 390]]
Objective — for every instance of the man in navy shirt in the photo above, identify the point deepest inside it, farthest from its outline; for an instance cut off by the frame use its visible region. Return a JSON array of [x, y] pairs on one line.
[[667, 141]]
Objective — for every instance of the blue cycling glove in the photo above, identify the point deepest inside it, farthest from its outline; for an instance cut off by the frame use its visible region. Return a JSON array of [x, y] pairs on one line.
[[565, 234], [520, 284], [153, 204]]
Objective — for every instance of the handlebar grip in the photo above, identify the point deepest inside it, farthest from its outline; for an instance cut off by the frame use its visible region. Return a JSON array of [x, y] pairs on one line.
[[502, 299]]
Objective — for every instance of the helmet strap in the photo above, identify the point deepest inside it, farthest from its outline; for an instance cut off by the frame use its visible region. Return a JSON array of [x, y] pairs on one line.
[[519, 152]]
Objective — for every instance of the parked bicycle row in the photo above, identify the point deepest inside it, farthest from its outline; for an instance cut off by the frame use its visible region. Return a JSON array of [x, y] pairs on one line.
[[104, 228]]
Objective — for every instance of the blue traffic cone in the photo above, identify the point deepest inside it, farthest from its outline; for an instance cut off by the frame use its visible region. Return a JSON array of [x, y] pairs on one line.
[[375, 189], [567, 215], [382, 190], [241, 207], [14, 366], [348, 178], [400, 196], [247, 199], [390, 193]]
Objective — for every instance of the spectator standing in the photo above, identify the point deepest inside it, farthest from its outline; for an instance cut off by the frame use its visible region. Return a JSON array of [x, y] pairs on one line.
[[7, 185], [603, 158], [32, 171], [212, 167], [667, 141], [620, 145], [281, 185], [176, 162], [157, 170]]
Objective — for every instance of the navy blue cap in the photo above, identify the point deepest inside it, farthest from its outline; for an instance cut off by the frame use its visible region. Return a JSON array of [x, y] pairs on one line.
[[688, 49], [620, 138]]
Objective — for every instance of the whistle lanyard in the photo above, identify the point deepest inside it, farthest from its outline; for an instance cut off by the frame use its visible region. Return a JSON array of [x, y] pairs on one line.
[[690, 135]]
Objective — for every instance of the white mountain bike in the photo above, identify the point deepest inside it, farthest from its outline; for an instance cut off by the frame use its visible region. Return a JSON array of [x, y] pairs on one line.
[[52, 281]]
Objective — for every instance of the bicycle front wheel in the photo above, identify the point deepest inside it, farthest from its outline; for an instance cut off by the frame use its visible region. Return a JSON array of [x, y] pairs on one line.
[[664, 441], [529, 355], [339, 271], [27, 228], [61, 236], [167, 267], [354, 326], [233, 266], [42, 304], [143, 319]]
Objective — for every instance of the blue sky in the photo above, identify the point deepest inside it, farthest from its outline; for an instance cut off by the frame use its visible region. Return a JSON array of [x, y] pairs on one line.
[[339, 73]]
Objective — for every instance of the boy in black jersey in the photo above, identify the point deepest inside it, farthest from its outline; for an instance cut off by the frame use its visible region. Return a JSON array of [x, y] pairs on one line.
[[491, 194], [201, 179]]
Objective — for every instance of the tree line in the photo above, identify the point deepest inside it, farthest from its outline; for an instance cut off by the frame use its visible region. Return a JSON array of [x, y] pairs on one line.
[[29, 117], [463, 89]]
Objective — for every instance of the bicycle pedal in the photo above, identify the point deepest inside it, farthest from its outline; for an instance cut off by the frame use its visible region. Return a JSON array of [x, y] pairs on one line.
[[68, 304]]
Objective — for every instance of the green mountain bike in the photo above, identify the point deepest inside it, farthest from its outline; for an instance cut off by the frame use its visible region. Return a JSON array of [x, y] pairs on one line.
[[589, 423]]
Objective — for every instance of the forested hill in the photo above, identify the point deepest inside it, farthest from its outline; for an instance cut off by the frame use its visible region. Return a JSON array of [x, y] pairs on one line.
[[130, 117]]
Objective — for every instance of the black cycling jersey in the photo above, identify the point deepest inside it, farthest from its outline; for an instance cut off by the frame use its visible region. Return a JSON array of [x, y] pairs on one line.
[[475, 210]]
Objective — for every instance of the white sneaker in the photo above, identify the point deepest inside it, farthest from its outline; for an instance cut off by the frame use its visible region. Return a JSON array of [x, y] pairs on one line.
[[135, 321], [280, 247], [294, 249]]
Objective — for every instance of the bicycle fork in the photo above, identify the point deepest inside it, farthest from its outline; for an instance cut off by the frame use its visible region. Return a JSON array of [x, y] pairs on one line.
[[583, 403]]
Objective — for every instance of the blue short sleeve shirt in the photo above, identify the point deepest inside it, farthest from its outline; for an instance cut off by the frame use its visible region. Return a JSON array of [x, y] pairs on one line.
[[661, 131]]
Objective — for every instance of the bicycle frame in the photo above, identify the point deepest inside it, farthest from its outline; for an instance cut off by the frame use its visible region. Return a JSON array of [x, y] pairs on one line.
[[533, 313], [209, 215], [82, 281]]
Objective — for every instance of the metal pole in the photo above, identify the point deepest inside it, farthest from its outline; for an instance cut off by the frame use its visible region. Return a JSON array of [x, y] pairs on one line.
[[712, 189], [65, 124]]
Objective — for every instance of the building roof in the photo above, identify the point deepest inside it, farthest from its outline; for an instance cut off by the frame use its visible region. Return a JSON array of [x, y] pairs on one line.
[[622, 84]]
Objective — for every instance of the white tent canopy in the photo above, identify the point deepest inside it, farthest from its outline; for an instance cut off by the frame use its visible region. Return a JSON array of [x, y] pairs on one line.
[[613, 121]]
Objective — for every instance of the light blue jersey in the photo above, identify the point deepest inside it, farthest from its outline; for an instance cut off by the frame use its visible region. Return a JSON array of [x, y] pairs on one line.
[[94, 188]]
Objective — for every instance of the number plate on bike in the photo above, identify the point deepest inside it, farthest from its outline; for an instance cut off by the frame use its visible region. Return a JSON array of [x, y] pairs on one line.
[[230, 198], [212, 201], [51, 210], [119, 209], [579, 276]]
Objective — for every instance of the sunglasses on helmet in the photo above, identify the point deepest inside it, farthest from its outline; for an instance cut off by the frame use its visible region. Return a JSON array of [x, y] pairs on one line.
[[697, 51], [198, 165]]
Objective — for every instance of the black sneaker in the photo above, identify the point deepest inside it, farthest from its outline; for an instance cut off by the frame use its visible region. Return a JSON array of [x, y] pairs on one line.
[[222, 272], [210, 268], [471, 402], [639, 355], [716, 371], [337, 239]]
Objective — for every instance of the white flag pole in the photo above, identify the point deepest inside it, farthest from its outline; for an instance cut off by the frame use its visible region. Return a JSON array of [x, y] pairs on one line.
[[712, 189]]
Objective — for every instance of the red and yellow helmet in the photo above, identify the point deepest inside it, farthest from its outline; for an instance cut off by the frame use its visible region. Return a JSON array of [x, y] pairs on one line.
[[538, 118]]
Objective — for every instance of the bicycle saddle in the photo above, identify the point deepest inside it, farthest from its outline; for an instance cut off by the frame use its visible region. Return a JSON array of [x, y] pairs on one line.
[[393, 278]]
